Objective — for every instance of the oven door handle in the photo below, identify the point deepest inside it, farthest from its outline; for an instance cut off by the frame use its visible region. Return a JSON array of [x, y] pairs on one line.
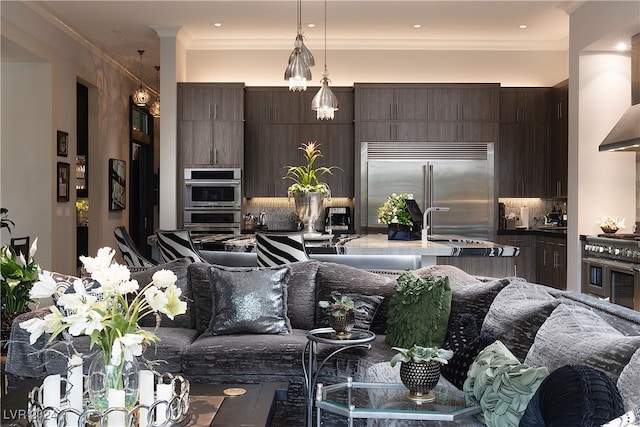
[[212, 183]]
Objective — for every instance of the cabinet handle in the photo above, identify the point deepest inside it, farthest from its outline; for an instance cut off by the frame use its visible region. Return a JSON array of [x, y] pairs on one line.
[[558, 188], [556, 257], [396, 113], [209, 110], [544, 257], [215, 156]]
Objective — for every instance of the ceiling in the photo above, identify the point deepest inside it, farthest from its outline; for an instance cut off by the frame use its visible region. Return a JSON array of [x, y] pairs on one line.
[[121, 28]]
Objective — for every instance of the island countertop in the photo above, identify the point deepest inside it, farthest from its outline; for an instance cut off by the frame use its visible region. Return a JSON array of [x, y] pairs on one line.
[[440, 246]]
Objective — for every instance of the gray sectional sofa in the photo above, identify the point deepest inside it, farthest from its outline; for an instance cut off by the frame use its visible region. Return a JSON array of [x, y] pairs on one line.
[[205, 347]]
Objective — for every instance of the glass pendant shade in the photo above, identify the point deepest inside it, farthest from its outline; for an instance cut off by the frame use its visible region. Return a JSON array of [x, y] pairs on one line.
[[140, 97], [325, 103], [297, 72], [154, 110], [306, 54]]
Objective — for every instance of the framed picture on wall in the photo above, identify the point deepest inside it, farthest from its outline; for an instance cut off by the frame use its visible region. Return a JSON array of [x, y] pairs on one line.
[[117, 185], [63, 143], [62, 174]]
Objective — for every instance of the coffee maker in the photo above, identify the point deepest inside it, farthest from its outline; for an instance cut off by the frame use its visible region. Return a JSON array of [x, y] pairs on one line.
[[338, 220]]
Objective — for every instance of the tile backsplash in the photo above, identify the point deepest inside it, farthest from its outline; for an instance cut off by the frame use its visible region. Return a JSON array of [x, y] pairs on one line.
[[538, 208], [280, 211]]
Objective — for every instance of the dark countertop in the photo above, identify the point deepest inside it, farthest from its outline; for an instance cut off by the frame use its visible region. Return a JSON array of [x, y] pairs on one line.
[[549, 232]]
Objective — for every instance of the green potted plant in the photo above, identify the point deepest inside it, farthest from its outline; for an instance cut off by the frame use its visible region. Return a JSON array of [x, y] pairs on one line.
[[342, 313], [18, 276], [395, 214], [307, 189], [420, 369]]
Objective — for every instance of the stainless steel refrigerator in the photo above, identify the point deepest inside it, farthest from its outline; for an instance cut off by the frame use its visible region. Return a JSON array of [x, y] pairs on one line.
[[458, 176]]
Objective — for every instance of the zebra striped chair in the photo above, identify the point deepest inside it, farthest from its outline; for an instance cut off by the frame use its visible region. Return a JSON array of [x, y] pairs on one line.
[[277, 249], [130, 253], [176, 244]]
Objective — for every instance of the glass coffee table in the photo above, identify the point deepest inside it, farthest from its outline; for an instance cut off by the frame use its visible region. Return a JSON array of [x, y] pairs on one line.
[[389, 401]]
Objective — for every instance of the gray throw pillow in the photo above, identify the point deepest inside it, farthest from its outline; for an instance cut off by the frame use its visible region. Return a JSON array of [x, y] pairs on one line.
[[474, 298], [350, 280], [369, 305], [573, 335], [629, 382], [179, 267], [517, 313], [249, 301]]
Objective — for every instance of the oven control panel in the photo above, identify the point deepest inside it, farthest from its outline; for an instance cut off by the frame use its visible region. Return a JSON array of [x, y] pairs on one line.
[[612, 251]]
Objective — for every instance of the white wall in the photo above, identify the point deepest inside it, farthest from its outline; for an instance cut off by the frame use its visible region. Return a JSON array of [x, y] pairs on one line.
[[599, 92], [37, 100], [266, 68], [26, 185]]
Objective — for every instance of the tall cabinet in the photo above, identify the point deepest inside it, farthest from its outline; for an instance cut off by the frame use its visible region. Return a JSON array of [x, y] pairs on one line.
[[278, 121], [523, 141], [557, 153], [210, 129]]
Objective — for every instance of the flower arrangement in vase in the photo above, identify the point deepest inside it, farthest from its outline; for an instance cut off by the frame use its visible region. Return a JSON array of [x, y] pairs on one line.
[[420, 369], [395, 214], [109, 315]]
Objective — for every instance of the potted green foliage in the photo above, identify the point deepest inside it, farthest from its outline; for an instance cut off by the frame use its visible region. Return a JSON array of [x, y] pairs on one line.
[[342, 313], [420, 369], [307, 189]]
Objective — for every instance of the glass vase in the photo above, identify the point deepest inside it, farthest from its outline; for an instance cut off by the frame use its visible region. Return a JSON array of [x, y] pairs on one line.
[[104, 376]]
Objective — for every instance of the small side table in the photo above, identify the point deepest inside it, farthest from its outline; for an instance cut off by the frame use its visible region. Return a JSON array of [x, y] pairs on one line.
[[358, 338]]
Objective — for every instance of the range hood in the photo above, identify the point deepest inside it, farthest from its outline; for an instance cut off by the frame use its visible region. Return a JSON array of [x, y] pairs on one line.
[[625, 135]]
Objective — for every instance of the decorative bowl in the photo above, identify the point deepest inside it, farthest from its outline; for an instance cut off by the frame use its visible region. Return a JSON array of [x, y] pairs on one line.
[[609, 230]]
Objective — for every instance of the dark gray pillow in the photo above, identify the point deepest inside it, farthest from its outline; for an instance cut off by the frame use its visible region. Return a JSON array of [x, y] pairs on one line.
[[474, 298], [179, 267], [249, 301], [200, 281], [350, 280], [301, 294], [516, 314], [573, 335], [369, 305]]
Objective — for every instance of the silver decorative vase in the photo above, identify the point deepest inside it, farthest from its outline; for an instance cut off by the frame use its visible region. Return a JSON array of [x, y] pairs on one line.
[[309, 209], [420, 379], [342, 325]]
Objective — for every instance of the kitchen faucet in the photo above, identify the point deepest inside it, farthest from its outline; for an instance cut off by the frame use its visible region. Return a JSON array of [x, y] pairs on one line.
[[426, 228]]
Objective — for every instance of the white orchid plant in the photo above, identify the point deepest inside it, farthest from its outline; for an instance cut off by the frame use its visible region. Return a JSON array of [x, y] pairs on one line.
[[109, 313], [610, 223]]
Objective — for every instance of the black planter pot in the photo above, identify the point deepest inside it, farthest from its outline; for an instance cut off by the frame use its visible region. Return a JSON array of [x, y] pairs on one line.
[[420, 379]]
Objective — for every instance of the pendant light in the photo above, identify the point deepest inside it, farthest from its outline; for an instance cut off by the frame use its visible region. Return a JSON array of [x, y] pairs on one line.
[[298, 72], [141, 95], [325, 102], [155, 107]]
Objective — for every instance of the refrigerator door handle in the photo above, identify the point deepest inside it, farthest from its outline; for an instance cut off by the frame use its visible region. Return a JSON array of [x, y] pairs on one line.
[[428, 185]]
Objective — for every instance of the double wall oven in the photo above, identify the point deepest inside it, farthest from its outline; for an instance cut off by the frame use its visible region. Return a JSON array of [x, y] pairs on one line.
[[213, 200], [611, 268]]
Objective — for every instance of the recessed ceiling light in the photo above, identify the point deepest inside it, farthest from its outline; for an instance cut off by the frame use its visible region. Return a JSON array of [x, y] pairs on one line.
[[523, 26], [417, 25], [311, 25], [217, 24], [621, 46]]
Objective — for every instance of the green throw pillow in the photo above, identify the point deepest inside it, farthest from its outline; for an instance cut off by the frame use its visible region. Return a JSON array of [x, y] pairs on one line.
[[419, 311], [501, 385]]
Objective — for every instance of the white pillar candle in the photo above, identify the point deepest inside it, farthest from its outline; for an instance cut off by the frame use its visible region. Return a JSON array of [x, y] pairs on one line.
[[51, 398], [163, 393], [74, 388], [116, 400], [146, 394]]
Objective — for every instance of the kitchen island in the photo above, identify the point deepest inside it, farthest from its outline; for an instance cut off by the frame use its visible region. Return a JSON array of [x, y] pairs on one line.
[[478, 257]]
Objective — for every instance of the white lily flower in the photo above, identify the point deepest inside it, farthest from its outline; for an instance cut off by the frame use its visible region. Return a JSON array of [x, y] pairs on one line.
[[164, 278], [100, 262], [128, 346], [80, 303], [174, 305], [35, 327], [111, 277], [94, 322], [33, 249], [45, 287], [82, 323], [156, 298], [128, 286]]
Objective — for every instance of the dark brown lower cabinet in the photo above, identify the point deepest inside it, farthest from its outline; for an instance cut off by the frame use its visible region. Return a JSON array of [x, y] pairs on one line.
[[551, 257]]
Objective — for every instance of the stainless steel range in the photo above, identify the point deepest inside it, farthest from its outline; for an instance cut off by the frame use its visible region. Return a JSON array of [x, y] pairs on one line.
[[611, 268]]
